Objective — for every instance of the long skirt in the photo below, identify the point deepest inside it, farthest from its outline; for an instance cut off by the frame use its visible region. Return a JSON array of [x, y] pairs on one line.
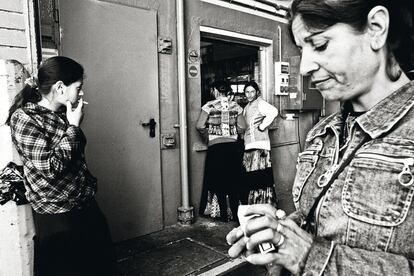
[[77, 242], [258, 183], [223, 173]]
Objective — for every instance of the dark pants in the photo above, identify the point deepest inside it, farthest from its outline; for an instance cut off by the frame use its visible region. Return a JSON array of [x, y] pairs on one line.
[[223, 174], [76, 243]]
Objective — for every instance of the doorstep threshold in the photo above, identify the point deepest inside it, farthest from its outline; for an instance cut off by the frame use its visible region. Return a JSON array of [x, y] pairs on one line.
[[223, 268]]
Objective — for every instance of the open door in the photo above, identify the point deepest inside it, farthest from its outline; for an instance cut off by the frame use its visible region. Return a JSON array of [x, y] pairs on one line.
[[117, 45]]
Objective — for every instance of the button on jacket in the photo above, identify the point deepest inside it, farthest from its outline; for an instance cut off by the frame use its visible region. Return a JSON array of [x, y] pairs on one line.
[[365, 221]]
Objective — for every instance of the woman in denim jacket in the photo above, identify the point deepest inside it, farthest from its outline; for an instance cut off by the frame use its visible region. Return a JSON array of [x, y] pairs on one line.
[[354, 188]]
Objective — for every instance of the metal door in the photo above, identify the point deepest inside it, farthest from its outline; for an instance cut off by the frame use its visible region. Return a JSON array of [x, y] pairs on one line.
[[117, 45]]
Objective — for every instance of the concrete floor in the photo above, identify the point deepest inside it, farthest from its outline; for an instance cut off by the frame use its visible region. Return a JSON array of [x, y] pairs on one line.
[[199, 249]]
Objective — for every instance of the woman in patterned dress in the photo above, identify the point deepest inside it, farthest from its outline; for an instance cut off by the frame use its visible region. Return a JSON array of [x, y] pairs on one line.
[[221, 122]]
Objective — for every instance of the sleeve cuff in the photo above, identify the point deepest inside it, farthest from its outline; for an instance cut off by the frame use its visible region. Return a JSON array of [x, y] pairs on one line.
[[76, 134], [318, 257], [260, 129], [73, 131]]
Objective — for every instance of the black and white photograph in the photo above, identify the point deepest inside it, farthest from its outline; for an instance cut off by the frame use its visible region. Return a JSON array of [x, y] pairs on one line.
[[206, 137]]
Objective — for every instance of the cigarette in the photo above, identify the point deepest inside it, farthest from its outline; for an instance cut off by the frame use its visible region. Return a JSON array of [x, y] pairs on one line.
[[85, 102]]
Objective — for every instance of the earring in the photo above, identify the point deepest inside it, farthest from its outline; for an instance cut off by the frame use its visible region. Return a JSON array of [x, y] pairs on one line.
[[375, 45], [393, 68]]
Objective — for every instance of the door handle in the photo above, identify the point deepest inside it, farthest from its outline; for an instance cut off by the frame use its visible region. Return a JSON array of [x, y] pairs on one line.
[[152, 123]]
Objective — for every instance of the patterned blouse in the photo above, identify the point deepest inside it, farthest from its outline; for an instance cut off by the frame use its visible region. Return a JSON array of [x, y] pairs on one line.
[[222, 119]]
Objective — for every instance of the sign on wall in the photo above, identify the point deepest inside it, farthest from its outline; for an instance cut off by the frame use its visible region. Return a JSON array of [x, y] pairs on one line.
[[193, 70]]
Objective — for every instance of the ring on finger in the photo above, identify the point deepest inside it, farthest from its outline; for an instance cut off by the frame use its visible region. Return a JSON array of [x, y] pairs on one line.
[[280, 214], [279, 227], [281, 241]]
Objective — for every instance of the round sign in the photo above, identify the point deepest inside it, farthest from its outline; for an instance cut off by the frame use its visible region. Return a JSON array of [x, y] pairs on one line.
[[193, 56], [193, 71]]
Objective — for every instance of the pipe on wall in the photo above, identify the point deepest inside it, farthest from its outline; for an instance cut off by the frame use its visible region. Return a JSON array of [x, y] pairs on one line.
[[185, 212]]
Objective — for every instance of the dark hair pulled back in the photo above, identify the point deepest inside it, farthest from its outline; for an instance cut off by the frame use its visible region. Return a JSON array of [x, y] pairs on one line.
[[222, 86], [321, 14], [52, 70]]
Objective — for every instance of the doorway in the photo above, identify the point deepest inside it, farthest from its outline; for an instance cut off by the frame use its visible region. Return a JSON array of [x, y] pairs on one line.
[[233, 62], [236, 58]]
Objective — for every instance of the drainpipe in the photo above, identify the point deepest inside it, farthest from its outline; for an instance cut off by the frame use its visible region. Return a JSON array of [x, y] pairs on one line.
[[185, 212]]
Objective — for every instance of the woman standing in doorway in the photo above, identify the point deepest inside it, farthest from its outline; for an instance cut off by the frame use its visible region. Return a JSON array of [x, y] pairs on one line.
[[221, 121], [72, 236], [259, 114]]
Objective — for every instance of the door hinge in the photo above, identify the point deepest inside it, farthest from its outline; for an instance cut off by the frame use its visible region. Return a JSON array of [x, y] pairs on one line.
[[56, 15], [165, 45]]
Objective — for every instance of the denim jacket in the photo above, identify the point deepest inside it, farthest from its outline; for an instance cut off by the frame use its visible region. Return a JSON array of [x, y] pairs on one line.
[[365, 221]]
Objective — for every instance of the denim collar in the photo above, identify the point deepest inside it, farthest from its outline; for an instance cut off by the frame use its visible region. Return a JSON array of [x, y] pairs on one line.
[[379, 119]]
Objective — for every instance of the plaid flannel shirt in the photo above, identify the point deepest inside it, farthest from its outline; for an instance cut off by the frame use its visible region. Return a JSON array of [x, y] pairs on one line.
[[56, 176]]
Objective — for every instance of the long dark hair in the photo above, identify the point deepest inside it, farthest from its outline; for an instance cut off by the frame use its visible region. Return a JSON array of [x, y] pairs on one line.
[[321, 14], [52, 70]]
